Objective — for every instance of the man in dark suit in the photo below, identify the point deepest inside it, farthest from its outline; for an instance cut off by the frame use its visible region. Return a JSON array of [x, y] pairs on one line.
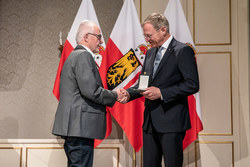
[[173, 76], [81, 112]]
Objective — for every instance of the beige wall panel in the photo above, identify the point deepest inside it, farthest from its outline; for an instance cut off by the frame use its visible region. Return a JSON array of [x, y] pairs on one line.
[[215, 92], [215, 154], [148, 7], [212, 22], [106, 157], [10, 157], [45, 157]]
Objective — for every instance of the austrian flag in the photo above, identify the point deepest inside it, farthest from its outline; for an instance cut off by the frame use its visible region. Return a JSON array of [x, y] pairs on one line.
[[179, 29], [86, 11]]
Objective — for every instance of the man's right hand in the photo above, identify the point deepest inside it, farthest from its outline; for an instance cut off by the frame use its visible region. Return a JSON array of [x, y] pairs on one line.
[[122, 96]]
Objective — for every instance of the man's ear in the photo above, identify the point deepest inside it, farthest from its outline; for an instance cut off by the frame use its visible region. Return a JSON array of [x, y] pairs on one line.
[[163, 29], [86, 38]]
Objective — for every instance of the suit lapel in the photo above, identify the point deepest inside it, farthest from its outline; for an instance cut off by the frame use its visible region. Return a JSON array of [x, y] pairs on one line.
[[168, 52]]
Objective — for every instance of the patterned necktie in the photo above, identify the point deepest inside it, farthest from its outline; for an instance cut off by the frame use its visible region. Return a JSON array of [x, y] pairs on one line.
[[157, 60]]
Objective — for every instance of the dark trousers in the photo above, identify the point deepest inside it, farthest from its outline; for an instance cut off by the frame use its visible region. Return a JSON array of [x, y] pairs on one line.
[[79, 151], [168, 145]]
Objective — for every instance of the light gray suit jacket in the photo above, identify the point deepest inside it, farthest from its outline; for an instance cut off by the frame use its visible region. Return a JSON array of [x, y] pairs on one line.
[[82, 105]]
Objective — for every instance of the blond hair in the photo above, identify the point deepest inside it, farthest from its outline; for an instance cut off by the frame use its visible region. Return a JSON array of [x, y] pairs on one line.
[[157, 20]]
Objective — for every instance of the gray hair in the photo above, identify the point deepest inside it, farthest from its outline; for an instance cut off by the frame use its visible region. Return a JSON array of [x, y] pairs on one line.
[[84, 28], [157, 20]]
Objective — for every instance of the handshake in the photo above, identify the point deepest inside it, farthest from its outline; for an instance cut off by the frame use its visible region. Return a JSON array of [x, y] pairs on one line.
[[151, 93], [122, 96]]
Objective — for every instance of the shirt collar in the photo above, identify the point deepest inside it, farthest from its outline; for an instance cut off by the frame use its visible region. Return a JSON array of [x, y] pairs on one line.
[[93, 55], [167, 42]]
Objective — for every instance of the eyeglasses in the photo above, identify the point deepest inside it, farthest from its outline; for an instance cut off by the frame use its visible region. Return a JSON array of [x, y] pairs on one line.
[[148, 36], [98, 36]]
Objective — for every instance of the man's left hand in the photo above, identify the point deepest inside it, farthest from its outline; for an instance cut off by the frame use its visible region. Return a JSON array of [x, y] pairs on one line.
[[152, 93]]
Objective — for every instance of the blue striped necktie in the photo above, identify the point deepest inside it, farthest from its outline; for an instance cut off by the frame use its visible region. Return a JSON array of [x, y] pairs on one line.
[[157, 60]]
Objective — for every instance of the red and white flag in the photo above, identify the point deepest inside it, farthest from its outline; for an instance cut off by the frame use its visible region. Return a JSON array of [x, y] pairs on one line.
[[121, 66], [86, 11], [179, 29]]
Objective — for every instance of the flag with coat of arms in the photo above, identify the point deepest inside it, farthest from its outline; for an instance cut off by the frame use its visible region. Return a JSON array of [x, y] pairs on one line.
[[121, 66]]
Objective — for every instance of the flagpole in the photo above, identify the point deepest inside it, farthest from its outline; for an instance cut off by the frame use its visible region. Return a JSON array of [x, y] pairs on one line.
[[134, 158], [140, 11]]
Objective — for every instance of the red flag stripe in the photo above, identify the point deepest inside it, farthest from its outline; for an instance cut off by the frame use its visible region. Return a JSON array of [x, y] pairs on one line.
[[108, 129], [130, 118], [192, 134], [67, 49], [112, 54]]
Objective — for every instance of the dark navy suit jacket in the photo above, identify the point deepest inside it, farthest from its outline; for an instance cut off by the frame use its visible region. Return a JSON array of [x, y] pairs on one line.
[[177, 78]]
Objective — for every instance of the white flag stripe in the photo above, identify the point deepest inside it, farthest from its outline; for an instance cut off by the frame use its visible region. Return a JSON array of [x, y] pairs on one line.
[[86, 11], [198, 106], [130, 77], [128, 23], [178, 25]]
